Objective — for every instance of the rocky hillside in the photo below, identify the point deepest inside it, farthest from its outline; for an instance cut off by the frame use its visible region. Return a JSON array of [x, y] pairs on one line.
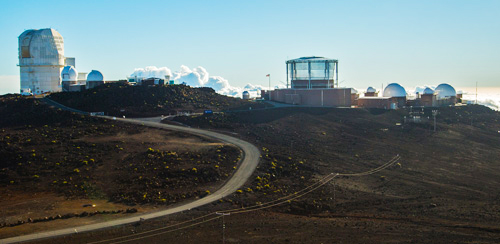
[[145, 101]]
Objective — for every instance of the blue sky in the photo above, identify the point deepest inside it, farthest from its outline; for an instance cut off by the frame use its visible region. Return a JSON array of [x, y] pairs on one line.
[[410, 42]]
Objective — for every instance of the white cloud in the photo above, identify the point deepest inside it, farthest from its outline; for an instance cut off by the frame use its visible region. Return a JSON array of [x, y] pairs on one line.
[[199, 77], [152, 71], [491, 100]]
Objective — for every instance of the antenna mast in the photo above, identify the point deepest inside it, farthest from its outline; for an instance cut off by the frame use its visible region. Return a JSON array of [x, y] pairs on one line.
[[476, 92]]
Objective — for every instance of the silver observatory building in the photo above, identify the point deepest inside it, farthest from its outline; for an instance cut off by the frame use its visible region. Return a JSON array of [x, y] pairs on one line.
[[41, 60], [44, 68]]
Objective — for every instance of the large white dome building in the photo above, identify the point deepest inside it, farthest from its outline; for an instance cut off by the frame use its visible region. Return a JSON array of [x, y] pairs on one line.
[[69, 73], [445, 91], [41, 59], [94, 78], [394, 90], [69, 77], [95, 75]]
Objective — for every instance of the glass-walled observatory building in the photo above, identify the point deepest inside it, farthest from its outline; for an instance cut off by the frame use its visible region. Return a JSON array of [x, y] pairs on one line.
[[312, 73]]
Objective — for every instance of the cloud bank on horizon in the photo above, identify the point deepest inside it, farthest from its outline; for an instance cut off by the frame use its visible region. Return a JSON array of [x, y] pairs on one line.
[[198, 77]]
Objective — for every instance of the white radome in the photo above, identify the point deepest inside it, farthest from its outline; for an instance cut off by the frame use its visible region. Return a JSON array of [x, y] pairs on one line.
[[370, 89], [445, 91], [246, 95], [428, 91], [95, 75], [69, 74], [394, 90]]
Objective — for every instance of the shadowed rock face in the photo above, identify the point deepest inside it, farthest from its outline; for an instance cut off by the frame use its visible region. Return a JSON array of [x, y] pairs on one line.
[[148, 101]]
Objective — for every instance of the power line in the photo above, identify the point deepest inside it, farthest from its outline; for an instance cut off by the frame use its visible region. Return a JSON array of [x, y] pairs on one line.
[[276, 202], [149, 231], [204, 216], [161, 233]]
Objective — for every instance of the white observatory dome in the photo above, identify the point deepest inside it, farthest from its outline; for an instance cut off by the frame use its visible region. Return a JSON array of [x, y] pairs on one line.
[[95, 75], [428, 91], [246, 95], [69, 74], [394, 90], [445, 91], [41, 47], [370, 89]]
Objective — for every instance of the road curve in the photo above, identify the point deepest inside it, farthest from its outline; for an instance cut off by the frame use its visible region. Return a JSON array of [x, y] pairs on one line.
[[250, 159]]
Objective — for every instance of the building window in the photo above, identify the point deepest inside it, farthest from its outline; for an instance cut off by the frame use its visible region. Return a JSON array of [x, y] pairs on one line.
[[25, 52]]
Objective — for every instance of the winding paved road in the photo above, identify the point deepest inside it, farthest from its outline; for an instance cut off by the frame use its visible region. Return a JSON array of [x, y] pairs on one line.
[[247, 166]]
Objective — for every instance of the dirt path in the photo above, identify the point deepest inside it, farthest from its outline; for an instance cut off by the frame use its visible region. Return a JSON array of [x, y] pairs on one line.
[[250, 160]]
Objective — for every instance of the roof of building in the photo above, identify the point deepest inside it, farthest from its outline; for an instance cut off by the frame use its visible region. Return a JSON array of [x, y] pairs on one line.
[[40, 32], [394, 90], [312, 59], [371, 89], [41, 47], [375, 98]]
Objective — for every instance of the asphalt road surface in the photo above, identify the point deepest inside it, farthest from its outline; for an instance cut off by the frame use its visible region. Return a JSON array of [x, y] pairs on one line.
[[250, 159]]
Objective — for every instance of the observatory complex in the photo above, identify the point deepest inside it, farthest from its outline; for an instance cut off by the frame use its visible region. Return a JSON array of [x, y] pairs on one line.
[[395, 96], [44, 68], [313, 81]]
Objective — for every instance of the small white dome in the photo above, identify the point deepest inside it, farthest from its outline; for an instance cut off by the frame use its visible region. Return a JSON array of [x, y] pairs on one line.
[[354, 91], [394, 90], [69, 74], [445, 91], [95, 75], [370, 89], [428, 90], [246, 95]]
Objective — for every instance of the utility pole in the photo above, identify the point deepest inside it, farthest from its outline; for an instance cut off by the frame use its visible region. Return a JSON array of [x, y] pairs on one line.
[[269, 75], [223, 226], [434, 113], [476, 92], [334, 199]]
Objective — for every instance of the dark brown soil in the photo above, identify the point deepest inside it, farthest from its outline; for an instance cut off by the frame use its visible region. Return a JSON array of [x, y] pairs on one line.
[[443, 190], [53, 153], [273, 227], [446, 179]]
